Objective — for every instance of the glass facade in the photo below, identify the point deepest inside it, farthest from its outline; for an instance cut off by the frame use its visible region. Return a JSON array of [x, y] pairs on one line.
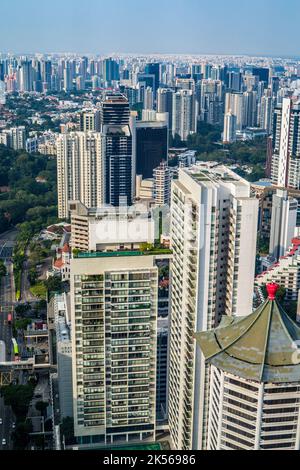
[[115, 335]]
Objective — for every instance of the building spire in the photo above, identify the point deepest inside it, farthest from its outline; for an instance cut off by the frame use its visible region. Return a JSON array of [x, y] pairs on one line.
[[272, 288]]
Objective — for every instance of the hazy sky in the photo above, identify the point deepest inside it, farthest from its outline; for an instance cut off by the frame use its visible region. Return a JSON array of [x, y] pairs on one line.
[[151, 26]]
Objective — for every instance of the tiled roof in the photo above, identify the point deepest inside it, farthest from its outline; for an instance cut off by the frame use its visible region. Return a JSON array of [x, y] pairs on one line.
[[58, 263]]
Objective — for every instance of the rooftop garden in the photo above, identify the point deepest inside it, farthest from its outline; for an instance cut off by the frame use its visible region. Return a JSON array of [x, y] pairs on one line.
[[144, 250]]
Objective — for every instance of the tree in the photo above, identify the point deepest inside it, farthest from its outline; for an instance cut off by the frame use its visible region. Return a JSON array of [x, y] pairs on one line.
[[21, 309], [146, 247], [41, 406], [67, 430], [176, 141], [18, 397], [3, 270], [53, 284], [22, 323], [39, 442], [27, 200], [21, 435], [32, 276], [280, 295]]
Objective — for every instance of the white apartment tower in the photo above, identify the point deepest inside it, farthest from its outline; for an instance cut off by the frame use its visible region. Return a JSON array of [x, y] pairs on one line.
[[79, 170], [283, 223], [286, 139], [162, 185], [235, 103], [148, 98], [184, 120], [213, 238], [254, 380], [15, 137], [266, 112], [229, 134]]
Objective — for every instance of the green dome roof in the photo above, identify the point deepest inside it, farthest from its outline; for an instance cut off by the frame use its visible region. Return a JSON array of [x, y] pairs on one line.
[[260, 347]]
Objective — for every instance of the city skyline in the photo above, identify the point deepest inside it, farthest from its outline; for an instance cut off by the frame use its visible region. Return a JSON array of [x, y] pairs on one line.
[[149, 227], [191, 27]]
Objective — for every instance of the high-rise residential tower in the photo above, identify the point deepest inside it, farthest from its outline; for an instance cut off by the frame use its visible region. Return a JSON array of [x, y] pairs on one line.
[[118, 149], [98, 167], [162, 185], [165, 103], [283, 223], [114, 319], [26, 76], [286, 142], [89, 120], [213, 238], [79, 170], [229, 134], [184, 119]]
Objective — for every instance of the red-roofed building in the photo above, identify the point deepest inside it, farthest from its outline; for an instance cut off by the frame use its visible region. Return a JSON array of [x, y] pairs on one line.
[[285, 272], [62, 264]]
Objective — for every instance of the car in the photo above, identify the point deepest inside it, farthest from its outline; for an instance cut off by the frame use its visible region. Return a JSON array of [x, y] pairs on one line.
[[4, 442], [1, 422], [13, 425]]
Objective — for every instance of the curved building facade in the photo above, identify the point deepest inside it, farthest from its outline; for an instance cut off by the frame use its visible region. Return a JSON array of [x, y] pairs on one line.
[[255, 380]]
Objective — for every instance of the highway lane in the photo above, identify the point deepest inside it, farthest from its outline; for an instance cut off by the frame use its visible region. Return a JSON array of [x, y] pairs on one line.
[[7, 299]]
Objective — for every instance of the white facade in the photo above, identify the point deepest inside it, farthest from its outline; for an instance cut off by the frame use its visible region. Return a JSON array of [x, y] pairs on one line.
[[64, 354], [285, 159], [148, 98], [15, 138], [184, 120], [254, 380], [246, 415], [266, 113], [284, 143], [283, 223], [162, 185], [79, 170], [106, 227], [2, 93], [213, 237], [229, 134], [235, 103]]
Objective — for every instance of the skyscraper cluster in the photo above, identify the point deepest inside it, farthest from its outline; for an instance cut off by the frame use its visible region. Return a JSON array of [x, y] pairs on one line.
[[227, 384], [161, 330]]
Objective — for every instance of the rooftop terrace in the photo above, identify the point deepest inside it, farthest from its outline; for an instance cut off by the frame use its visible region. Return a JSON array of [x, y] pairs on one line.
[[113, 254]]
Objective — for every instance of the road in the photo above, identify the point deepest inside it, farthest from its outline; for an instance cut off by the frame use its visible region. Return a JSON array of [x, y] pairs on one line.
[[7, 242], [7, 299], [26, 295]]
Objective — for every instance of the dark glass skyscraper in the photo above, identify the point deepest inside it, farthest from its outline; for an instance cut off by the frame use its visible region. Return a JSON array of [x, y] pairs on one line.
[[151, 146], [111, 70], [262, 74], [117, 149], [153, 69]]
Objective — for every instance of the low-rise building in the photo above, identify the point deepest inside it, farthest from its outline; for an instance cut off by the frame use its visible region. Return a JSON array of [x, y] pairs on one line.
[[64, 353]]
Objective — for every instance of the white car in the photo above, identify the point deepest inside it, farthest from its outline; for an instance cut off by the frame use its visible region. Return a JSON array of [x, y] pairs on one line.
[[4, 442], [1, 422]]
